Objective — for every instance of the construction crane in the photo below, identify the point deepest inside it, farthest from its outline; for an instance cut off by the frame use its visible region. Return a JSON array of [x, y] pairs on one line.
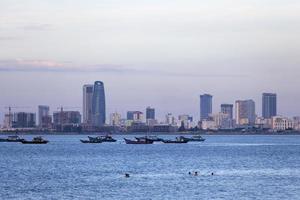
[[10, 113], [61, 108]]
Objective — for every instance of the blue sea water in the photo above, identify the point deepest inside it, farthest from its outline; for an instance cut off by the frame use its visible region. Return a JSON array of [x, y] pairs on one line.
[[244, 167]]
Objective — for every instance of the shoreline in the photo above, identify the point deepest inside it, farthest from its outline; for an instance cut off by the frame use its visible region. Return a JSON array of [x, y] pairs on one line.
[[160, 133]]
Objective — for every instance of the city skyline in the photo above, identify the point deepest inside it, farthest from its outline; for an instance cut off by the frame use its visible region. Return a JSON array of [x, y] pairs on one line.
[[212, 107], [95, 93]]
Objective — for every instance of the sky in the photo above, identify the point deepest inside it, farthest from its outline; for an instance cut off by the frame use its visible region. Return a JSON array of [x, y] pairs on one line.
[[162, 54]]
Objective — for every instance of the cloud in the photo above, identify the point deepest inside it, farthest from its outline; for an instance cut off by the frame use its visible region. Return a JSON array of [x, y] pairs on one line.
[[37, 27], [21, 65], [8, 38]]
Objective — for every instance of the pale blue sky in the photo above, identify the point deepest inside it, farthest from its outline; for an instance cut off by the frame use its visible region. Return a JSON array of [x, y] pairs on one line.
[[158, 53]]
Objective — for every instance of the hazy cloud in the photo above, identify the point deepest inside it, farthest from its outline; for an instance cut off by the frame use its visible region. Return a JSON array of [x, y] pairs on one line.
[[20, 65], [8, 38], [37, 27]]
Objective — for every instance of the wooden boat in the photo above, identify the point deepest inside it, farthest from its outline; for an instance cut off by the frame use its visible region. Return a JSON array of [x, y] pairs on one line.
[[106, 138], [140, 141], [196, 138], [13, 138], [36, 140], [179, 140], [151, 137], [92, 140], [89, 141]]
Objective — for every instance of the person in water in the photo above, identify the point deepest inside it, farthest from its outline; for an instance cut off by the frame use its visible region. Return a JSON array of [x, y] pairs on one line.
[[190, 173], [196, 174], [212, 173], [127, 175]]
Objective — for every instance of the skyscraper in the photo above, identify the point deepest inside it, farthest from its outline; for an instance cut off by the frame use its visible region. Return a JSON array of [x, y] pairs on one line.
[[227, 109], [205, 106], [245, 112], [43, 112], [269, 105], [150, 113], [87, 103], [98, 104]]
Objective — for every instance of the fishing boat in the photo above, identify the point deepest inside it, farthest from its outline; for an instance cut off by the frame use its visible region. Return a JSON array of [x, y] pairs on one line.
[[92, 140], [139, 141], [151, 137], [13, 138], [106, 138], [180, 140], [36, 140], [195, 138]]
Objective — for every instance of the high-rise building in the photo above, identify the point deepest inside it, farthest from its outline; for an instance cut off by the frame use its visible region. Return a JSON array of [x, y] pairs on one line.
[[66, 117], [150, 113], [43, 112], [98, 104], [205, 106], [245, 112], [87, 103], [269, 105], [227, 109], [24, 120]]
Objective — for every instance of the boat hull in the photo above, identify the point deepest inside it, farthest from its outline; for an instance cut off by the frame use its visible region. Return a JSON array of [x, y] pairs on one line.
[[174, 142], [103, 139], [138, 141], [90, 142], [33, 142], [193, 139]]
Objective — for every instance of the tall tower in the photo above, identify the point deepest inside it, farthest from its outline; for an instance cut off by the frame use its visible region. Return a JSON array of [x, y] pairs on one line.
[[150, 113], [245, 112], [43, 112], [269, 105], [98, 104], [87, 103], [205, 106]]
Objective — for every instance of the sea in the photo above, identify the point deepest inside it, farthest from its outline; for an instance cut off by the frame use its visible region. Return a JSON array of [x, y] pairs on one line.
[[244, 167]]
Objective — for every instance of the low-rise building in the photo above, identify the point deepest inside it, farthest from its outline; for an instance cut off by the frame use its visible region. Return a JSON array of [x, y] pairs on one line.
[[115, 119], [280, 123]]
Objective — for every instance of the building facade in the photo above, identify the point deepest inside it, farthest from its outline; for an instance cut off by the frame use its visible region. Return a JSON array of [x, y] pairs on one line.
[[170, 119], [24, 120], [205, 106], [245, 112], [98, 105], [222, 120], [44, 120], [87, 103], [281, 123], [227, 109], [269, 105], [150, 113], [66, 117], [115, 119], [135, 116]]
